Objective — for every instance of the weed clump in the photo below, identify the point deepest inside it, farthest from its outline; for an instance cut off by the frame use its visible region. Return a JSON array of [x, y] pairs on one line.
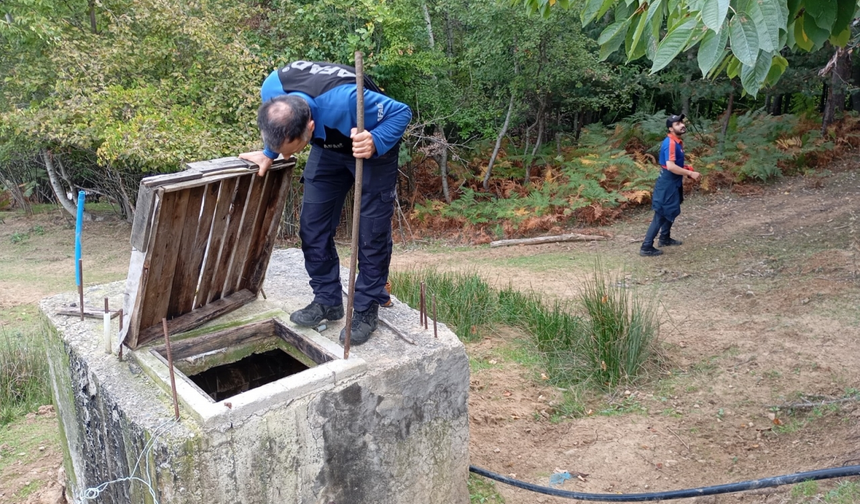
[[606, 339], [23, 375]]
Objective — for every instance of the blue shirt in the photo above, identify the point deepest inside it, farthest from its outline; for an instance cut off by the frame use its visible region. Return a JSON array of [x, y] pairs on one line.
[[331, 92]]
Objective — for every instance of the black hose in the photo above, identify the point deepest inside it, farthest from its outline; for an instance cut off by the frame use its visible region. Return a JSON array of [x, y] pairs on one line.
[[836, 472]]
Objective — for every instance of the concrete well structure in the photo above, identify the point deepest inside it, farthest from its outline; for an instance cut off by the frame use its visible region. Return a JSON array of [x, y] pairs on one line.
[[387, 425]]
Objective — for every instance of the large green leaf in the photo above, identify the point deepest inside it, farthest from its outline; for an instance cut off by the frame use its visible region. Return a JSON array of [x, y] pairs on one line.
[[842, 38], [744, 39], [594, 9], [766, 16], [612, 37], [802, 40], [844, 15], [733, 68], [817, 34], [823, 11], [777, 68], [711, 50], [752, 77], [644, 24], [714, 13], [672, 44]]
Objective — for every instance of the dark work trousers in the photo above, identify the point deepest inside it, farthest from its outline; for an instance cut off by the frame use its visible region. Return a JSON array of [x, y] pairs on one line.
[[328, 176], [660, 225]]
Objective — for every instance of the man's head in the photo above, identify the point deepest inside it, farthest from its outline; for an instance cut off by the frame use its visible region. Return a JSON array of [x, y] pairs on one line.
[[675, 124], [286, 124]]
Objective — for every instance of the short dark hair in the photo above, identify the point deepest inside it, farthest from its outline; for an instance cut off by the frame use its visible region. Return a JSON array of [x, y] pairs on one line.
[[283, 119]]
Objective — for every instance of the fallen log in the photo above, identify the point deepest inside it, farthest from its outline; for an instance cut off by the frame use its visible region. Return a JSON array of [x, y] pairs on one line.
[[547, 239]]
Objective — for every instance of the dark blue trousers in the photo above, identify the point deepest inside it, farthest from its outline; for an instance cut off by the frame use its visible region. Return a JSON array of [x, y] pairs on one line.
[[660, 225], [328, 176]]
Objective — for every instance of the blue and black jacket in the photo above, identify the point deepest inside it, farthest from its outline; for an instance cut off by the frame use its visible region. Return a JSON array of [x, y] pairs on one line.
[[330, 90]]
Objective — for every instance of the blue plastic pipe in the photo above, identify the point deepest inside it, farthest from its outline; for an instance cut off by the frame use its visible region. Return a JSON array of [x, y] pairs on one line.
[[78, 228]]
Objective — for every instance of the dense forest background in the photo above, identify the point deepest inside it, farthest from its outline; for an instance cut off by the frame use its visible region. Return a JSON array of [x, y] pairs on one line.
[[522, 122]]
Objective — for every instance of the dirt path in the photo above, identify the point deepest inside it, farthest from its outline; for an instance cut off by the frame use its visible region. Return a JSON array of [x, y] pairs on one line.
[[759, 309]]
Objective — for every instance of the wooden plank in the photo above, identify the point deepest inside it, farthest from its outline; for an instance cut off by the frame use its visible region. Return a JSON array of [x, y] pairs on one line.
[[304, 345], [133, 332], [196, 252], [162, 265], [225, 338], [248, 233], [224, 163], [170, 178], [216, 238], [142, 218], [261, 251], [185, 276], [231, 236], [197, 317], [225, 174]]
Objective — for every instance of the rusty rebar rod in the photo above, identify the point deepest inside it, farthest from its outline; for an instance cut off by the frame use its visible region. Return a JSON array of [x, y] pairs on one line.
[[170, 365], [435, 331], [395, 330]]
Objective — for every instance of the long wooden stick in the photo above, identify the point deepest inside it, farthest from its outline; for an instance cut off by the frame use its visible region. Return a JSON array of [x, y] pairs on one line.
[[356, 206], [547, 239]]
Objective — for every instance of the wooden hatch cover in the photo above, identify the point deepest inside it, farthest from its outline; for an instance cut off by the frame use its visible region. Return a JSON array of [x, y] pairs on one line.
[[201, 243]]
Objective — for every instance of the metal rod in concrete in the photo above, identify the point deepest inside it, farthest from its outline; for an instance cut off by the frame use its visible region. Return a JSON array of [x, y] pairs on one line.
[[435, 331], [120, 332], [107, 328], [81, 286], [422, 311], [170, 365], [356, 203]]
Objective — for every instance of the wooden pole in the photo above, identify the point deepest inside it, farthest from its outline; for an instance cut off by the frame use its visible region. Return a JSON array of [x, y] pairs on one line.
[[356, 207], [170, 365]]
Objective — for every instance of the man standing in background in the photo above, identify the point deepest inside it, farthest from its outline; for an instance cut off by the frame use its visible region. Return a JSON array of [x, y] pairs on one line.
[[669, 188]]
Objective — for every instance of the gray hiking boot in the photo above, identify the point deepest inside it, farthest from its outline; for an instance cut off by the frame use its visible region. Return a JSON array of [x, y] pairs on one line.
[[314, 313], [363, 323]]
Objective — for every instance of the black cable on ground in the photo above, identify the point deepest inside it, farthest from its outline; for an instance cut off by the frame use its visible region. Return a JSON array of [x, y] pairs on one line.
[[836, 472]]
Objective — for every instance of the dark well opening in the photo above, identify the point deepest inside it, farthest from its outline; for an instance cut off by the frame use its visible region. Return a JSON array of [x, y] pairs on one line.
[[253, 371]]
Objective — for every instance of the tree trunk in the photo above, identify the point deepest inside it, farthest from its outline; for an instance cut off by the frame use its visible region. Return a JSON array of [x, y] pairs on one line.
[[498, 143], [442, 160], [429, 24], [92, 11], [534, 151], [725, 129], [855, 80], [685, 92], [59, 192], [835, 102], [776, 105]]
